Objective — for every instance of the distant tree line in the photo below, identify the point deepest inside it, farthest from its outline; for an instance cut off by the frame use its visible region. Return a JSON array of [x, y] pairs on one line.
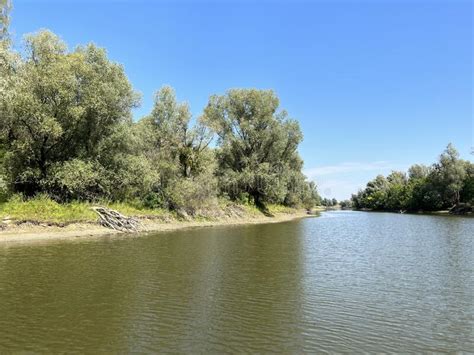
[[447, 184], [66, 130], [329, 202], [346, 204]]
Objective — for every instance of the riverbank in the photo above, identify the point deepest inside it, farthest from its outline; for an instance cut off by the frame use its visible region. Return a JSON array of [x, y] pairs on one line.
[[30, 231], [428, 213]]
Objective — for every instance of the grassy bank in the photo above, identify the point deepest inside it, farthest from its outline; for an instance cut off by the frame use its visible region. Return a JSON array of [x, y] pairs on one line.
[[44, 211], [42, 219]]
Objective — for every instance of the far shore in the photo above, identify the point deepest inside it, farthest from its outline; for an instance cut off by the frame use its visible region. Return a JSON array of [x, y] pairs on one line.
[[34, 233], [427, 213]]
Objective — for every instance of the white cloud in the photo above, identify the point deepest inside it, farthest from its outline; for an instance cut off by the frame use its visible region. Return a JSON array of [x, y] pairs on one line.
[[346, 168]]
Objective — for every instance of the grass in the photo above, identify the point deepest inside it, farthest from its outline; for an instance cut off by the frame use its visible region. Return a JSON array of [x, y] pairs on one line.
[[280, 209], [42, 209], [252, 210], [136, 209]]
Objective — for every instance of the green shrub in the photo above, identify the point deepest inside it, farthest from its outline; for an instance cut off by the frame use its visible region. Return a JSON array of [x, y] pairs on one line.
[[155, 200], [76, 180], [192, 194], [4, 192]]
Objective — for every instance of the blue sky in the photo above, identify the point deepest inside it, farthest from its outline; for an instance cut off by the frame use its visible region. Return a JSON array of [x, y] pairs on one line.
[[375, 85]]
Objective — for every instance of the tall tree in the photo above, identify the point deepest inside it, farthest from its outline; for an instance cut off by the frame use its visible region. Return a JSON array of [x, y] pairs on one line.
[[444, 184], [61, 105], [257, 143], [467, 192], [418, 171], [180, 153], [174, 137], [449, 174]]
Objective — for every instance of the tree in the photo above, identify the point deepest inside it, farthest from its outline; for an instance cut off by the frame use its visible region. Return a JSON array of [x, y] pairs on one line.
[[449, 174], [397, 197], [418, 171], [61, 105], [300, 192], [5, 8], [180, 152], [311, 196], [376, 192], [8, 65], [467, 192], [442, 185], [374, 195], [328, 202], [346, 204], [173, 135], [257, 144]]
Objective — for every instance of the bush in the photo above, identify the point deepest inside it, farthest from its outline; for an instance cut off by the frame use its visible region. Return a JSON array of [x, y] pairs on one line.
[[76, 180], [130, 177], [154, 200], [192, 194], [4, 192]]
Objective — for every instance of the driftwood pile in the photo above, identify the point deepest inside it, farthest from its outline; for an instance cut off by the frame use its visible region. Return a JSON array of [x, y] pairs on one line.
[[115, 220]]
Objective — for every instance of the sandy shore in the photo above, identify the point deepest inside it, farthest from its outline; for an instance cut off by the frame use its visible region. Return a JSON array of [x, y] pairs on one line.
[[32, 233]]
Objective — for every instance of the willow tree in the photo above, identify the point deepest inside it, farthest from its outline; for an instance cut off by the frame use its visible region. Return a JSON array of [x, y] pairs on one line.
[[180, 153], [60, 106], [257, 144], [8, 64], [179, 143], [449, 175]]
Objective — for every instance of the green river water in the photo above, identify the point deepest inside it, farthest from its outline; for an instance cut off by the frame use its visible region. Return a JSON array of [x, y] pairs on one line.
[[341, 282]]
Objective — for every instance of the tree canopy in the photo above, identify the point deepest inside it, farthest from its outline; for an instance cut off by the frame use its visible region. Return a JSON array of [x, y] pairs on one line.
[[445, 184], [67, 131], [60, 106], [5, 8], [257, 146]]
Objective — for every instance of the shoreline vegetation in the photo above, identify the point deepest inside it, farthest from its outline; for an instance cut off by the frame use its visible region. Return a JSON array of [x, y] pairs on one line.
[[42, 221], [446, 186], [68, 142]]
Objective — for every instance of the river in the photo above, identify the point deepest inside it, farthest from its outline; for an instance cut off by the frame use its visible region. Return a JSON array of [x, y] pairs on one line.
[[341, 282]]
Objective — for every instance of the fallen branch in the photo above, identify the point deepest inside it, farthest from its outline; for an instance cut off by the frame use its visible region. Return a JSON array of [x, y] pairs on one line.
[[115, 220]]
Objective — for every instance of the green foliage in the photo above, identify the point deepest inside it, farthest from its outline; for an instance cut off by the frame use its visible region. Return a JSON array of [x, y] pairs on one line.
[[443, 185], [75, 180], [5, 8], [137, 208], [61, 105], [66, 135], [179, 153], [449, 175], [277, 208], [154, 200], [346, 204], [257, 146], [328, 202], [192, 194], [467, 191], [43, 209], [4, 191]]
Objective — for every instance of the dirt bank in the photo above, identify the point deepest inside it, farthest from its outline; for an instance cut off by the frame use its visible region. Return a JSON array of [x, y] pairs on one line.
[[31, 232]]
